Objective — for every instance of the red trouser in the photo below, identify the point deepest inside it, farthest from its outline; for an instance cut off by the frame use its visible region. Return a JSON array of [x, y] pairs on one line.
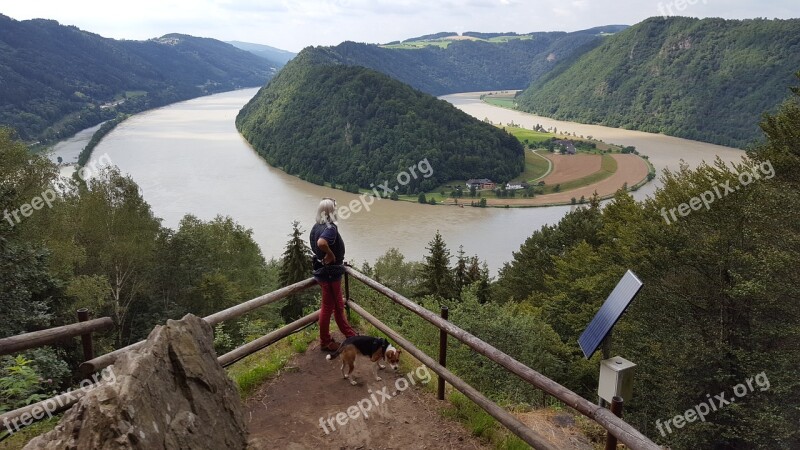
[[332, 303]]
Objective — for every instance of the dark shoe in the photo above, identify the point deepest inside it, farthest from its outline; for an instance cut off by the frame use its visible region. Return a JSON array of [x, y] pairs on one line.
[[332, 346]]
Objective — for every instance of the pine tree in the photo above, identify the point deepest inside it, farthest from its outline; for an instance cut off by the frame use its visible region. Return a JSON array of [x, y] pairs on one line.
[[295, 266], [484, 281], [460, 271], [478, 273], [436, 275]]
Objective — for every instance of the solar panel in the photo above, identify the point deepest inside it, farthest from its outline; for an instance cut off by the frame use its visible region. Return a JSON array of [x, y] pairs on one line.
[[609, 313]]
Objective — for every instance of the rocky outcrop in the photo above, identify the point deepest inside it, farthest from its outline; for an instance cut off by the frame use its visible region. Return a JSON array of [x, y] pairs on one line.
[[169, 394]]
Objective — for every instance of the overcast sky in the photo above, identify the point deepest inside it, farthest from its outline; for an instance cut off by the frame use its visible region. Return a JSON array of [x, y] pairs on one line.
[[293, 25]]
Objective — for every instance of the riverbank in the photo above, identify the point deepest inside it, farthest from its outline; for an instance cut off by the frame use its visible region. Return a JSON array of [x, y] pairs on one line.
[[188, 158]]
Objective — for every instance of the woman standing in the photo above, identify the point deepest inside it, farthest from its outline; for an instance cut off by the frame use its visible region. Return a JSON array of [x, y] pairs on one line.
[[328, 248]]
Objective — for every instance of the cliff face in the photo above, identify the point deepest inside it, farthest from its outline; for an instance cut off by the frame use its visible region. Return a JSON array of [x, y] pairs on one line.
[[169, 394]]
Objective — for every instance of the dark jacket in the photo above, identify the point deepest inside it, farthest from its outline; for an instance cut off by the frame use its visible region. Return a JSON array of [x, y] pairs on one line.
[[329, 232]]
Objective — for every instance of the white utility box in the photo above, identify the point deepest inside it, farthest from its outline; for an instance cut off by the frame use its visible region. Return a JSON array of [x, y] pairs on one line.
[[616, 378]]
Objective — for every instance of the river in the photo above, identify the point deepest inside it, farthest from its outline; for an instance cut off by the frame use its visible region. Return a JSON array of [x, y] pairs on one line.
[[188, 158]]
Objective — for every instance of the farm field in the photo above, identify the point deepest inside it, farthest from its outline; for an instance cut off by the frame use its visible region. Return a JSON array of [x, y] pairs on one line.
[[445, 41], [631, 169], [577, 176], [571, 167]]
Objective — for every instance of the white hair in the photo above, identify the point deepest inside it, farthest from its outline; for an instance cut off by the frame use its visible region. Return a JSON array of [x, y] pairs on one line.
[[326, 212]]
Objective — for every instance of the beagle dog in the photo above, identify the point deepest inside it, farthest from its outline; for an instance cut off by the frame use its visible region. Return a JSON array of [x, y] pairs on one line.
[[376, 349]]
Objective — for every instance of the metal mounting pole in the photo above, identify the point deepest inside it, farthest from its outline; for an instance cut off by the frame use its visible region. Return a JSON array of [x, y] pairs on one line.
[[616, 408]]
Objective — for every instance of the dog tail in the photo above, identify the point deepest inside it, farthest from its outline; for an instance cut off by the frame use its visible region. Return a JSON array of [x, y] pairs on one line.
[[334, 354]]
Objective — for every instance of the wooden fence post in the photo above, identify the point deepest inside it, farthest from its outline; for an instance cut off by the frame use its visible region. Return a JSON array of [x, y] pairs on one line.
[[86, 339], [442, 353]]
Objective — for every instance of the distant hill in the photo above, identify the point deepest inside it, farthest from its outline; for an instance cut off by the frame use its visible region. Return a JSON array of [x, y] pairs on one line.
[[708, 80], [272, 54], [356, 127], [469, 65], [479, 35], [440, 35], [57, 80]]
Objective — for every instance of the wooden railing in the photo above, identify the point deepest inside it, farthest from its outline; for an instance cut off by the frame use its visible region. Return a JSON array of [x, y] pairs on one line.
[[84, 328], [615, 426], [14, 344]]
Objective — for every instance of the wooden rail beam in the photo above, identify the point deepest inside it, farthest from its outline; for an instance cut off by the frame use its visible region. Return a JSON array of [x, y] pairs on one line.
[[244, 308], [233, 312], [19, 418], [251, 347], [49, 336]]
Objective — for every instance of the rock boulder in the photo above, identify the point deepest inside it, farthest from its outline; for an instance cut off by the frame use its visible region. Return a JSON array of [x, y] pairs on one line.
[[169, 394]]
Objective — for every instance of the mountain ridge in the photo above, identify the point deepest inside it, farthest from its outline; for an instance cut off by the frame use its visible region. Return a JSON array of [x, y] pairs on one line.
[[469, 65], [59, 79], [702, 79]]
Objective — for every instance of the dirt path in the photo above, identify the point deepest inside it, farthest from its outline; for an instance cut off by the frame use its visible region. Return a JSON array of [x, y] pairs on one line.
[[286, 412]]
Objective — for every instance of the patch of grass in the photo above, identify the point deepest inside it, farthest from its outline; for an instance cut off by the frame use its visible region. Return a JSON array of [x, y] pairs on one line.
[[512, 442], [413, 45], [608, 163], [444, 42], [531, 136], [477, 421], [21, 437], [535, 167], [591, 429], [502, 102], [252, 371], [503, 39], [134, 94]]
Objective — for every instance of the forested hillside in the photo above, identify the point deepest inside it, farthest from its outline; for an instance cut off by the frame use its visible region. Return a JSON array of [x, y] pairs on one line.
[[467, 65], [708, 80], [353, 126], [57, 80]]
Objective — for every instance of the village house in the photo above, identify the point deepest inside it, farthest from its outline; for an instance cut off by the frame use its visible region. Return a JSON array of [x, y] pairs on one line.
[[516, 186], [480, 183], [567, 147]]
